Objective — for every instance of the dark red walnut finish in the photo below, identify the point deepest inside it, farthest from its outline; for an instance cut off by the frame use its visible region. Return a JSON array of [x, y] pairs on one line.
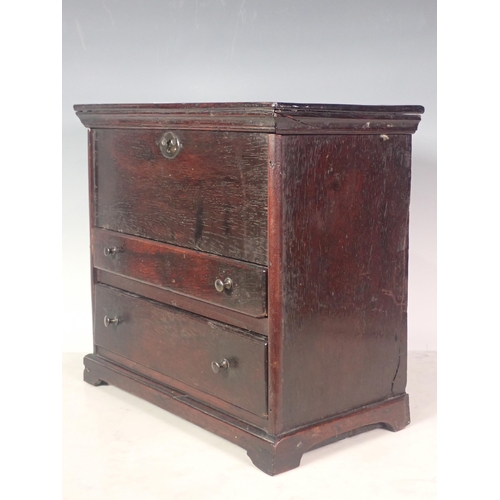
[[309, 204], [183, 346], [183, 271], [212, 197]]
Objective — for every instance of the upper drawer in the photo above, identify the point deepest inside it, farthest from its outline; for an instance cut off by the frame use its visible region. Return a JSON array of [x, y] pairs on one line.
[[183, 271], [212, 196]]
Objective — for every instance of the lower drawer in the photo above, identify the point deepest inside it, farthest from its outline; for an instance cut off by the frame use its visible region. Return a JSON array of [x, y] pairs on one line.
[[185, 347]]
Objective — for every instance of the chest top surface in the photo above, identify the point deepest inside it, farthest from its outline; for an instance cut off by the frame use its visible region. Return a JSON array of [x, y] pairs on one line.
[[279, 118]]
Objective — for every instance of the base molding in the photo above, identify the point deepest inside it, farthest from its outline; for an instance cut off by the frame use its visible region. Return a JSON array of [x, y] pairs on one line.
[[271, 454]]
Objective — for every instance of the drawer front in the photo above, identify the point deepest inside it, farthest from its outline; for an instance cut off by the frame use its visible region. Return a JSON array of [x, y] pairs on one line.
[[183, 346], [183, 271], [211, 197]]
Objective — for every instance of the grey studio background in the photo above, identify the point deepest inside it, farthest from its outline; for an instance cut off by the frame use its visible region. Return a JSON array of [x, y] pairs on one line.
[[347, 52]]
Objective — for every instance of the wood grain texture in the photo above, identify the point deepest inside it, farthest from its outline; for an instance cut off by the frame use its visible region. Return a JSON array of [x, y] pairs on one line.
[[175, 401], [92, 211], [314, 195], [184, 271], [165, 380], [183, 346], [275, 277], [268, 117], [257, 325], [212, 197], [243, 117], [272, 454], [285, 452], [344, 279], [292, 125]]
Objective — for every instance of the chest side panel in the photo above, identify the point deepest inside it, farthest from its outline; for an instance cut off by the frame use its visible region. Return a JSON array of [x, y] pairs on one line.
[[211, 197], [344, 283]]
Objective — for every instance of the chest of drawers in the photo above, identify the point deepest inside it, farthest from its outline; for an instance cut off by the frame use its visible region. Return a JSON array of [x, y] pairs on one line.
[[249, 266]]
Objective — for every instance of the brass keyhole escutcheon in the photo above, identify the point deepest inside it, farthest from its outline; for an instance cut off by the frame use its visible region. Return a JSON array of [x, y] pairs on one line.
[[170, 145]]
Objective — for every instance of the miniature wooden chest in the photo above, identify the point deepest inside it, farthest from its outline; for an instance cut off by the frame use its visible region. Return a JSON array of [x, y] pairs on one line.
[[249, 266]]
